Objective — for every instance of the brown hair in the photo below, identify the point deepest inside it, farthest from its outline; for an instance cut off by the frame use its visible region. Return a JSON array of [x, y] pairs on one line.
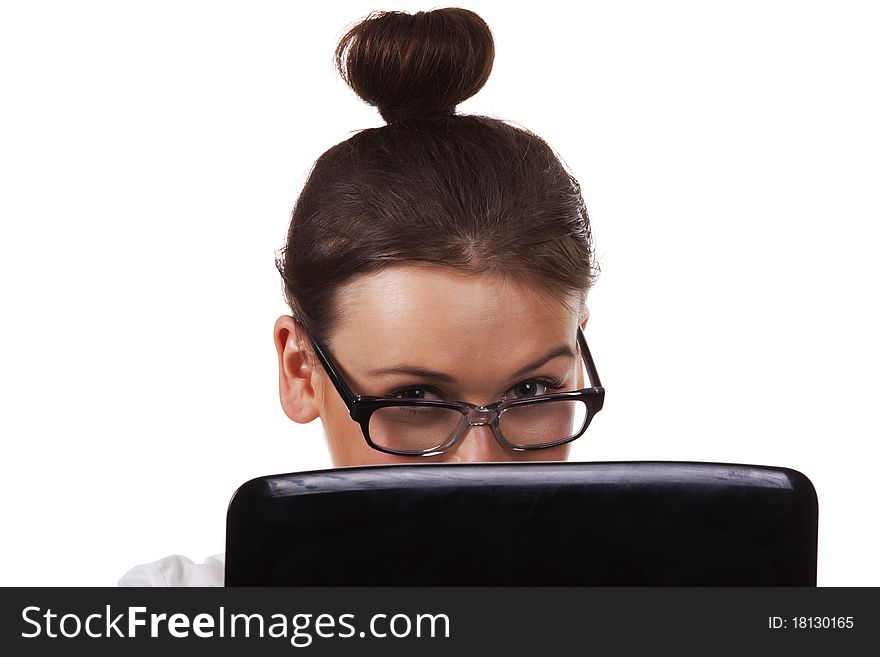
[[468, 192]]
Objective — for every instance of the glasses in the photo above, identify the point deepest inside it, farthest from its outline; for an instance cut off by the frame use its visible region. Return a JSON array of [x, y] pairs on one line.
[[420, 427]]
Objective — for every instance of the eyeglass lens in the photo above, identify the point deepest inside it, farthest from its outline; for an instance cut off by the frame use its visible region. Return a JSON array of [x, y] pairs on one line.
[[424, 428]]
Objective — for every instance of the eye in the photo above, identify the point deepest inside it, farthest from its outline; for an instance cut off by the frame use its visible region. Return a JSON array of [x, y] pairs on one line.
[[533, 388], [415, 392]]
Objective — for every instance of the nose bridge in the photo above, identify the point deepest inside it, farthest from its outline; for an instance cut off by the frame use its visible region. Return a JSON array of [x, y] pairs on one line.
[[478, 417], [478, 443]]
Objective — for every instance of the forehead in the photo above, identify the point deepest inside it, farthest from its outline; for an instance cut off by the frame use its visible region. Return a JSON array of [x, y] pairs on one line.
[[443, 318]]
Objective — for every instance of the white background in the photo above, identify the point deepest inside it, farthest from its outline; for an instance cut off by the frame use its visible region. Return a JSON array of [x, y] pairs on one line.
[[151, 152]]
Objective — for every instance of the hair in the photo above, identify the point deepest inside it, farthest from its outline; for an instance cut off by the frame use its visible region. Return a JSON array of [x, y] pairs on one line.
[[433, 187]]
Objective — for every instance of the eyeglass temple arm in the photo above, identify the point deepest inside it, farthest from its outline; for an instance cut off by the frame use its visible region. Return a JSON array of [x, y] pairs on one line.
[[338, 383], [588, 360]]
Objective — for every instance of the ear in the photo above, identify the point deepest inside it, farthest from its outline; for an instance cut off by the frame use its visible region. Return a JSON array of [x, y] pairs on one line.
[[295, 372], [585, 318]]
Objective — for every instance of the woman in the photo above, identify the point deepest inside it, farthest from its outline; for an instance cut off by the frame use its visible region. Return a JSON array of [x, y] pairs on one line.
[[440, 263]]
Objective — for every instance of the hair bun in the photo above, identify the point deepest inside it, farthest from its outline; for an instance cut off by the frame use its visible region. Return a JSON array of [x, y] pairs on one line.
[[422, 64]]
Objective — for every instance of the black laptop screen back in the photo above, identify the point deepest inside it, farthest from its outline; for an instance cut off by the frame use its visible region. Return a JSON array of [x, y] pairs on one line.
[[547, 524]]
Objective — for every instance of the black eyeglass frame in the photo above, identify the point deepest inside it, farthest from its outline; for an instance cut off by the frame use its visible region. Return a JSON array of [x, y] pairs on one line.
[[362, 407]]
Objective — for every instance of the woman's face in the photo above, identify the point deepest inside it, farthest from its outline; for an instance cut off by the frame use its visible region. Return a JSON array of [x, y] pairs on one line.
[[477, 331]]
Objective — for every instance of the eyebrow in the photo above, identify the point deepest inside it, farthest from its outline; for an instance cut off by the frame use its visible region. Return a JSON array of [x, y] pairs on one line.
[[447, 378]]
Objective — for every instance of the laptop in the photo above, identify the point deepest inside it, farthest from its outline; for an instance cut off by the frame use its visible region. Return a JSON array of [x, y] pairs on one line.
[[525, 524]]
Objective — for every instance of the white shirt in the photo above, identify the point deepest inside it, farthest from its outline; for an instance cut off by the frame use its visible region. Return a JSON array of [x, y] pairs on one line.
[[177, 570]]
